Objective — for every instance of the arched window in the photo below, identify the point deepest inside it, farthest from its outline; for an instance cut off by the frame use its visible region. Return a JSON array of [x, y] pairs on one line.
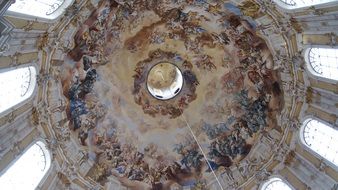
[[293, 4], [45, 9], [16, 86], [27, 171], [321, 138], [275, 184], [323, 62]]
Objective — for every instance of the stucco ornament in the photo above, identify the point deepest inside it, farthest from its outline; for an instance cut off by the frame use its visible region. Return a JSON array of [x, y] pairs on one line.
[[231, 93]]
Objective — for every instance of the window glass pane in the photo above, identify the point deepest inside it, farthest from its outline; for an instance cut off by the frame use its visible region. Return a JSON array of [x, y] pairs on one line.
[[324, 62], [16, 86], [27, 172], [275, 184], [322, 139], [36, 8], [291, 4]]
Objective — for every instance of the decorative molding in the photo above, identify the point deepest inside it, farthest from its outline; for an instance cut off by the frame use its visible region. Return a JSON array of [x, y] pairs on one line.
[[10, 117], [262, 176], [317, 12], [29, 25], [42, 78], [6, 27]]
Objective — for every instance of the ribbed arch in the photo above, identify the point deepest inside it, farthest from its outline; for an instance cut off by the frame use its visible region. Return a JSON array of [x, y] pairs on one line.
[[275, 183], [320, 138], [28, 170], [17, 85]]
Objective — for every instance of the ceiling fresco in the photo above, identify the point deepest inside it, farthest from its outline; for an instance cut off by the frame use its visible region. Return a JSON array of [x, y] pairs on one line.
[[229, 95]]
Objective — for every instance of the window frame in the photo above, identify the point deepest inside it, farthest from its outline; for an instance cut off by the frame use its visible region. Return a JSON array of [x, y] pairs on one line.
[[292, 9], [59, 13], [309, 149], [265, 183], [46, 152], [312, 73], [34, 90]]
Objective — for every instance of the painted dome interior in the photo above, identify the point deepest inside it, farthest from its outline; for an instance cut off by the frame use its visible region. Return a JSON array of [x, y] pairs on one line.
[[169, 94], [230, 93]]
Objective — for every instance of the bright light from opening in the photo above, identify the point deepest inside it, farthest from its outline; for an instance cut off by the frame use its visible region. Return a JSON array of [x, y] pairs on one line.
[[16, 86], [275, 184], [165, 81], [292, 4], [324, 62], [48, 9], [27, 172], [322, 139]]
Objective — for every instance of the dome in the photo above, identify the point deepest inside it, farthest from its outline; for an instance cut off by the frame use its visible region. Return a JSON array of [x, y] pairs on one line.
[[170, 94], [164, 81]]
